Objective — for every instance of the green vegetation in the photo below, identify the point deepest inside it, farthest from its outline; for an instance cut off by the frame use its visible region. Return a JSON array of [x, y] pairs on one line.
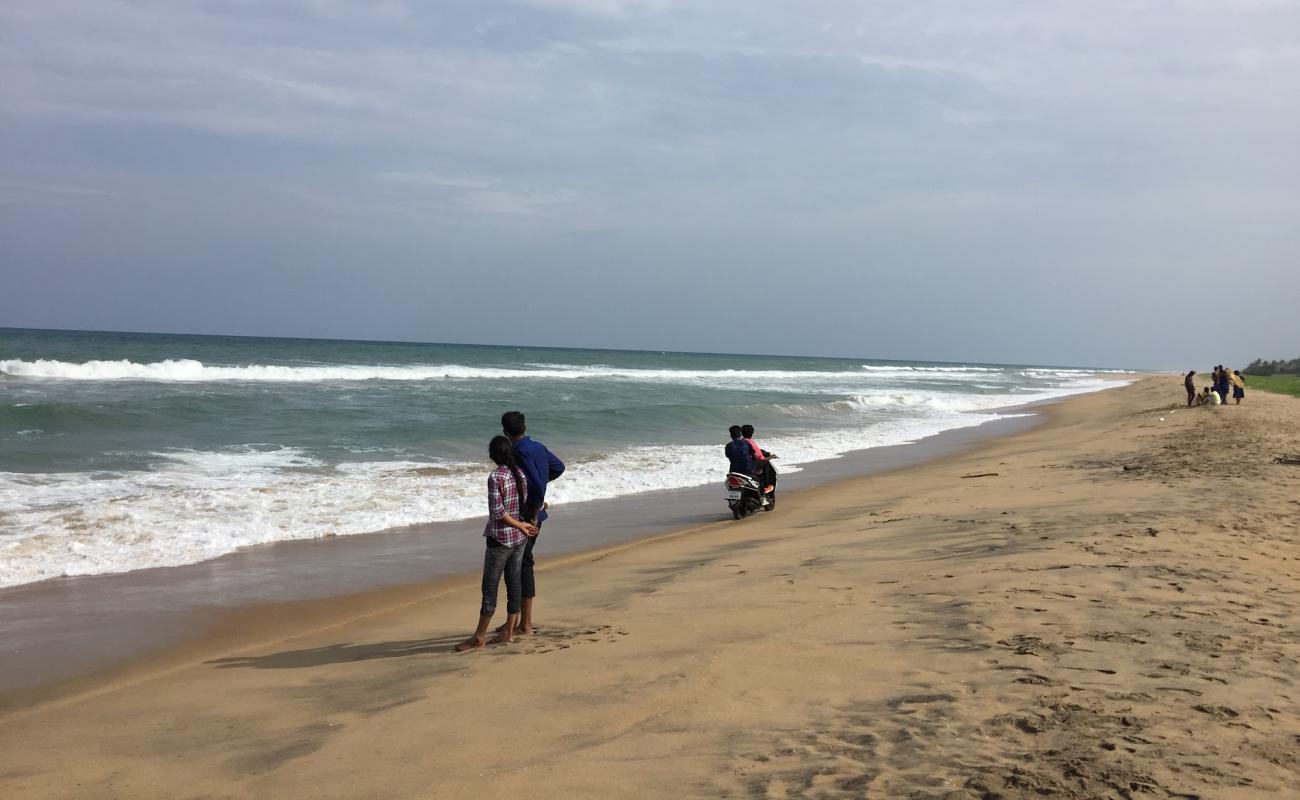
[[1282, 377], [1282, 384], [1261, 367]]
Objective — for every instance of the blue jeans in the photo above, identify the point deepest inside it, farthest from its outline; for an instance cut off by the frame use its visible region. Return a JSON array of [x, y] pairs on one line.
[[499, 559]]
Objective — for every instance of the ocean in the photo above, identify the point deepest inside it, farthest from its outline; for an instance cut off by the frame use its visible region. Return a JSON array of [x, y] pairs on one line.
[[120, 451]]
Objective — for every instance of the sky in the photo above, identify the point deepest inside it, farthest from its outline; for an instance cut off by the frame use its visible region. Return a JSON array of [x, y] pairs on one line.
[[1097, 183]]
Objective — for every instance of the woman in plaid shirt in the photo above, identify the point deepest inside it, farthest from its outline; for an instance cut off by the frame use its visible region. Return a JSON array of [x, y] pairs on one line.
[[506, 535]]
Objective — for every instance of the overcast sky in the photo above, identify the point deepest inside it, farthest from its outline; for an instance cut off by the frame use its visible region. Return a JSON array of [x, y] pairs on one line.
[[1097, 182]]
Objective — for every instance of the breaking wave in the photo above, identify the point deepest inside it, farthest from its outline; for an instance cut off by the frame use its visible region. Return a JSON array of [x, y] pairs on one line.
[[189, 370]]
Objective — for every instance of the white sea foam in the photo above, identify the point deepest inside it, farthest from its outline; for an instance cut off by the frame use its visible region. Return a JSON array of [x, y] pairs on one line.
[[641, 469], [957, 402], [909, 368], [188, 370], [189, 506], [196, 505], [247, 459]]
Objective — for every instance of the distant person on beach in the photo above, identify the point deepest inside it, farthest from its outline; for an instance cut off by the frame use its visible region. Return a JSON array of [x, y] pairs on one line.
[[739, 452], [540, 467], [506, 533], [1191, 388], [1221, 384], [1212, 397], [1238, 387]]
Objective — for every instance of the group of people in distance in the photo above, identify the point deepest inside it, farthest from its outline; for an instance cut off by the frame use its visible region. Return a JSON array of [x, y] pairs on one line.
[[748, 458], [516, 495], [1222, 381]]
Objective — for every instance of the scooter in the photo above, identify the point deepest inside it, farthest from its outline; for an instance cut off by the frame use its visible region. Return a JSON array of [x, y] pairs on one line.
[[745, 494]]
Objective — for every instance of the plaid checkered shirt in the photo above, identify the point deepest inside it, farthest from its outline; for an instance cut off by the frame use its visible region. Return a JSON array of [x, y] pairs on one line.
[[504, 499]]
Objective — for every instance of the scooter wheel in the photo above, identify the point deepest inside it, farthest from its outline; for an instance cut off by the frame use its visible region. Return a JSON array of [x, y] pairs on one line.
[[735, 511], [771, 502]]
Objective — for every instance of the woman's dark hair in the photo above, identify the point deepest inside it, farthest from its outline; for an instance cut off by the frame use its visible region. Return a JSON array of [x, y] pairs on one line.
[[747, 430], [502, 453]]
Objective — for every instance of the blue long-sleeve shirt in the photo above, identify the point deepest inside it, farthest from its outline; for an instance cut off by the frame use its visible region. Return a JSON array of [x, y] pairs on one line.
[[540, 467], [739, 453]]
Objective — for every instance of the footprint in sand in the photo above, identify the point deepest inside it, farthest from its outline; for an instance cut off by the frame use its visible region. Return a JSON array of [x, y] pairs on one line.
[[562, 639], [1025, 645]]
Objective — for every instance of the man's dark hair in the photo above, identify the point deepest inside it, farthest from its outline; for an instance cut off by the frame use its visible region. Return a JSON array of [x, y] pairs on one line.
[[747, 430], [512, 423], [734, 430]]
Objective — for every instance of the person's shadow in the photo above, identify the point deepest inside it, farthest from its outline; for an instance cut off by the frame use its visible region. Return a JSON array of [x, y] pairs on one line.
[[339, 654]]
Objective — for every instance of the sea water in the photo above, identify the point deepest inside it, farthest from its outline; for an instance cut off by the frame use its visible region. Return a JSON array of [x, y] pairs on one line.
[[120, 451]]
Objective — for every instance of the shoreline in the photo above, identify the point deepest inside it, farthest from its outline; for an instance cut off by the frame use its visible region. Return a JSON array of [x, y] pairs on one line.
[[65, 633]]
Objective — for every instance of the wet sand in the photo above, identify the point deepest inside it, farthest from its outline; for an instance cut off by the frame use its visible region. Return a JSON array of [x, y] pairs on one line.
[[1108, 610]]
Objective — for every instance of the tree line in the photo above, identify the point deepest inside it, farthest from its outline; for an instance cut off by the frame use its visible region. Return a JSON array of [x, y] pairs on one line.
[[1262, 367]]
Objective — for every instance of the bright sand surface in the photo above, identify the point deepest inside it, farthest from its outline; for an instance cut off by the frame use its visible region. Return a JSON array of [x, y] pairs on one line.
[[1108, 610]]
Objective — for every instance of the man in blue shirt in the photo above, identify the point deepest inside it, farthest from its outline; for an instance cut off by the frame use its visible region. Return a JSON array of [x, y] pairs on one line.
[[540, 467]]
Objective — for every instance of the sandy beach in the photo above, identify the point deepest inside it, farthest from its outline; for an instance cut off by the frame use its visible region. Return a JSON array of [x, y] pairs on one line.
[[1102, 606]]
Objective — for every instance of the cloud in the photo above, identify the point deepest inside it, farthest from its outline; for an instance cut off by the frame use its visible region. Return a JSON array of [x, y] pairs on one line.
[[528, 204], [604, 8], [894, 133], [53, 194], [435, 179], [487, 195]]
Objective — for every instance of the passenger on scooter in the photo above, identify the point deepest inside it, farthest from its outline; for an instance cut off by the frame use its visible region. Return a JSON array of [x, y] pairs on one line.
[[739, 453], [763, 467]]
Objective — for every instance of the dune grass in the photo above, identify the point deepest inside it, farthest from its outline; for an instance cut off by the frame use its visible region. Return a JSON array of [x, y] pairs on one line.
[[1282, 384]]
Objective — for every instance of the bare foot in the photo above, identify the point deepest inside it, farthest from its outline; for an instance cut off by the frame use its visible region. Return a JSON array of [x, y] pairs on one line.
[[520, 630], [502, 638], [472, 643]]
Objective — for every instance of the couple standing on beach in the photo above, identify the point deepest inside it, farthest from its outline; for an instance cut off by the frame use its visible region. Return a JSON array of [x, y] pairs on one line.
[[516, 510]]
